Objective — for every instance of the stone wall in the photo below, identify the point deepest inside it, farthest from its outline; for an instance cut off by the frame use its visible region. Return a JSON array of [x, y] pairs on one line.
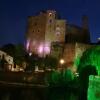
[[69, 54], [36, 31], [73, 52]]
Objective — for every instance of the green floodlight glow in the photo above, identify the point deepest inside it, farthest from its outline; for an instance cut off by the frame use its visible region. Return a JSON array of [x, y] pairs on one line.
[[94, 88], [67, 75], [77, 61], [88, 64], [55, 77], [60, 77], [90, 57]]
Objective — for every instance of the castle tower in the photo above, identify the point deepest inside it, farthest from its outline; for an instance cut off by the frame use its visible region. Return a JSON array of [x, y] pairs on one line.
[[85, 28], [42, 30], [55, 28], [35, 34], [50, 26], [85, 22]]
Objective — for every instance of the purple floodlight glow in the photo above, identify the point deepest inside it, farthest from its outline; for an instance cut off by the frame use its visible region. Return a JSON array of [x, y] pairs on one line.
[[27, 45], [33, 42], [47, 49], [40, 49], [44, 49]]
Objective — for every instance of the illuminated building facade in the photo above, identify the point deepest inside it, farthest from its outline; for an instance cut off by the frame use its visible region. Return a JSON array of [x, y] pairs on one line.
[[47, 34], [42, 30]]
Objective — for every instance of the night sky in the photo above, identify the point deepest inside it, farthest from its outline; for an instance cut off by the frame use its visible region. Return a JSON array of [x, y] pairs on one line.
[[14, 13]]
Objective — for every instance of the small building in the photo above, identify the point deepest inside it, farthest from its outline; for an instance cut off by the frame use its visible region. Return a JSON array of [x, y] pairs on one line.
[[8, 59]]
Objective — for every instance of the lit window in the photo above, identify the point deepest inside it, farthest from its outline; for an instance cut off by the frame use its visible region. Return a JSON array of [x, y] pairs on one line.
[[57, 28], [50, 14], [58, 33]]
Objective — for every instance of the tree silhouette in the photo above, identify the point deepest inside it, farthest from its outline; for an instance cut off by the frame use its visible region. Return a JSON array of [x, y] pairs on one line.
[[9, 49], [84, 74], [84, 79]]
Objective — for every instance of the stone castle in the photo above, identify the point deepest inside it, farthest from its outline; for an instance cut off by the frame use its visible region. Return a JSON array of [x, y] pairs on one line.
[[47, 34]]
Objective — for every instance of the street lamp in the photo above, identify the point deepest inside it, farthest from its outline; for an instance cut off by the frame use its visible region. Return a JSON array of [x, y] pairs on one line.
[[30, 54], [62, 61]]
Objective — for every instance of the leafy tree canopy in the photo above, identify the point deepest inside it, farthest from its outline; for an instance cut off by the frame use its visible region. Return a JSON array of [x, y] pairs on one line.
[[16, 51], [51, 62], [9, 49]]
